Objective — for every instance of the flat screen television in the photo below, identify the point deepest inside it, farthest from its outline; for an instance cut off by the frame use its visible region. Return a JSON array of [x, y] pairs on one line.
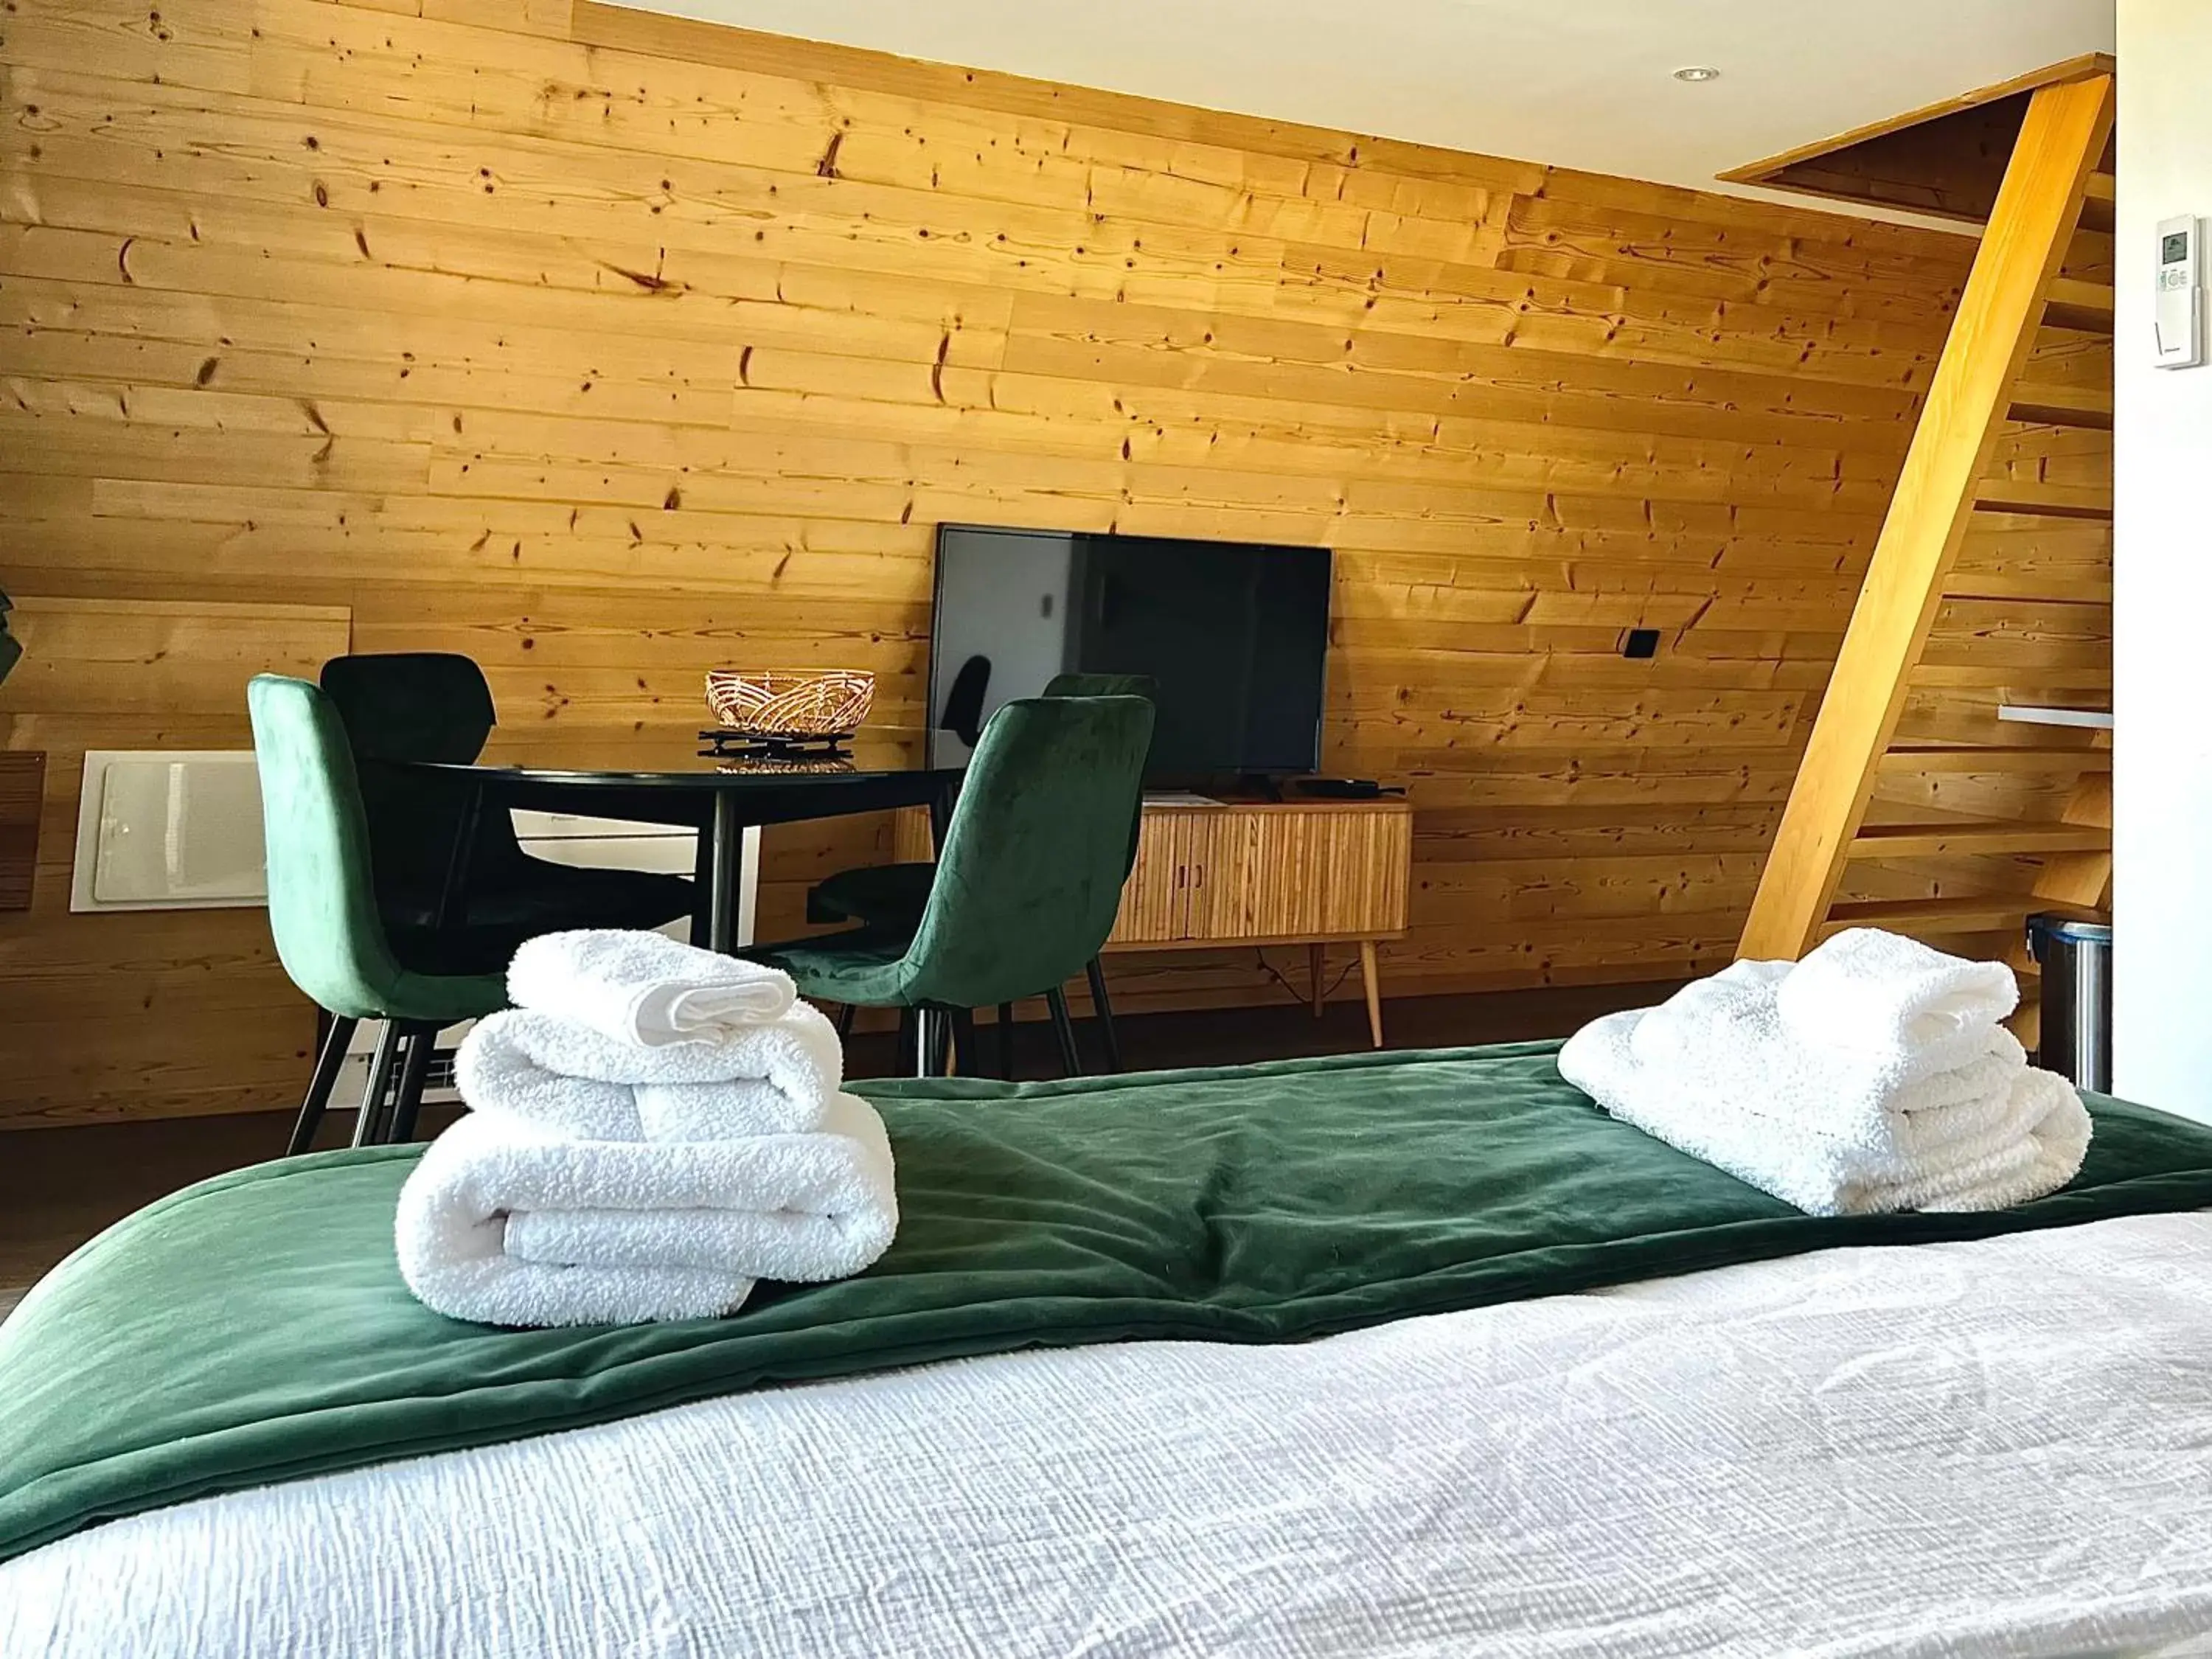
[[1234, 635]]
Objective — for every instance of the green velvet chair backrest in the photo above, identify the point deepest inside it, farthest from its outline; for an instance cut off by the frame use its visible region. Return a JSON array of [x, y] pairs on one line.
[[1029, 877], [1112, 685], [411, 705], [322, 895], [398, 706]]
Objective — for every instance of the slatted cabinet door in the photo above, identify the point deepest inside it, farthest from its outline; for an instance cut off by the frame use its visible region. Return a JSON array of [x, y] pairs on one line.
[[1298, 873], [1156, 901]]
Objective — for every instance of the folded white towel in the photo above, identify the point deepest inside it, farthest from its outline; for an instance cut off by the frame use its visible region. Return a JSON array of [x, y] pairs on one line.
[[496, 1073], [1727, 1033], [480, 1226], [645, 988], [802, 1208], [2058, 1139], [1883, 993], [800, 1052], [2035, 1145], [450, 1232], [497, 1077]]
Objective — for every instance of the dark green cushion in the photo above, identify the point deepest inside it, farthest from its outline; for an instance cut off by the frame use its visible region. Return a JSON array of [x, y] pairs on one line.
[[254, 1327], [893, 895], [862, 965]]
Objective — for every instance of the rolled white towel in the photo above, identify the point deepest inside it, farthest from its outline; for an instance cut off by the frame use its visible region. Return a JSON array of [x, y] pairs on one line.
[[644, 987], [487, 1183], [1726, 1035], [497, 1074], [1879, 992], [2032, 1145], [800, 1208]]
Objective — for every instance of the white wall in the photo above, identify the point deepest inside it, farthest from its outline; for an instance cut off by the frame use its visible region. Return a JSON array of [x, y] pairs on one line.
[[2162, 580]]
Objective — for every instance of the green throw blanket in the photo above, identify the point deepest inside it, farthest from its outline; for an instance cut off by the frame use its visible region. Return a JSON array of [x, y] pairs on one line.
[[254, 1327]]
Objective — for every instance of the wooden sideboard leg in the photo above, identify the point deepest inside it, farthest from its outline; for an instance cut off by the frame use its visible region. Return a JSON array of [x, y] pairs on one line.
[[1314, 954], [1371, 976]]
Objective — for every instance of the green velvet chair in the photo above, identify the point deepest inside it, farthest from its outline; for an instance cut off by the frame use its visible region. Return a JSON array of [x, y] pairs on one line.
[[398, 706], [323, 912], [1025, 888], [892, 896]]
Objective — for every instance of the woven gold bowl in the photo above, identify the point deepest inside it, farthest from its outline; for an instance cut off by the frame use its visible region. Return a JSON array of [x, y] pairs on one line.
[[776, 703]]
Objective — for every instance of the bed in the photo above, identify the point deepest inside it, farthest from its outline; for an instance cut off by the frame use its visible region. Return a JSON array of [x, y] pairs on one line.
[[1995, 1445]]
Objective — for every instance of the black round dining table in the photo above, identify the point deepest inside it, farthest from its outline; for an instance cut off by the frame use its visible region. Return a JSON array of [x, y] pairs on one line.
[[677, 777]]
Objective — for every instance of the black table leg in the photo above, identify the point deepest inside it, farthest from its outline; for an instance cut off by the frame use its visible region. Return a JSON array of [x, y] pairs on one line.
[[702, 884], [1006, 1040], [450, 895], [724, 862]]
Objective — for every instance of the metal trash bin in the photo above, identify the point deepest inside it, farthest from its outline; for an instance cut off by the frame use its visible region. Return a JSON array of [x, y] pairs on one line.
[[2076, 959]]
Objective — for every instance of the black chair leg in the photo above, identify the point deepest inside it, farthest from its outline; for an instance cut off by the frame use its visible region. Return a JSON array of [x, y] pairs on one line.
[[366, 1124], [1064, 1028], [846, 1010], [1098, 1000], [414, 1073], [908, 1046], [330, 1059], [964, 1042], [1006, 1040]]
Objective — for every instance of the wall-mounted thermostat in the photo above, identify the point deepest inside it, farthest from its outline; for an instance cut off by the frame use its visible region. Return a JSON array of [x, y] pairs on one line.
[[2180, 319]]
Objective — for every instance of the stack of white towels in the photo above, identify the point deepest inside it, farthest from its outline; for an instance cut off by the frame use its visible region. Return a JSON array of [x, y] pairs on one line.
[[1873, 1076], [653, 1128]]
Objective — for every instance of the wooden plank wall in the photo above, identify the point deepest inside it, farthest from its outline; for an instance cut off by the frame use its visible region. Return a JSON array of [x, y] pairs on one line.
[[154, 1012], [607, 347]]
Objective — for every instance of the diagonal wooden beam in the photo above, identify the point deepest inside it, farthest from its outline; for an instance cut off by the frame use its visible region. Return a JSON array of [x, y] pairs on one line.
[[2034, 218]]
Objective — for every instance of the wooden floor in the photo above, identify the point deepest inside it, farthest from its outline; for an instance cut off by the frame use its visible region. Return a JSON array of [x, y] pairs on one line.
[[58, 1187]]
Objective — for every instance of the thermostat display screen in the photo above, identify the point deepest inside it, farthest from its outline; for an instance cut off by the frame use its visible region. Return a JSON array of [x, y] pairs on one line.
[[2174, 250]]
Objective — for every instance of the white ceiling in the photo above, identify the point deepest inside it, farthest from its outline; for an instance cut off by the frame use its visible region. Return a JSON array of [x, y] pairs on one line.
[[1580, 83]]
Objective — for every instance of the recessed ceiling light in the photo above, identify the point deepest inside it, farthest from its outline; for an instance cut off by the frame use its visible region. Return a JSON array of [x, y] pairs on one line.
[[1697, 72]]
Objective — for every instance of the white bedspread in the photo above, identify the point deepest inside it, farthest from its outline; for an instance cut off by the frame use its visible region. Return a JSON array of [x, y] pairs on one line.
[[1993, 1449]]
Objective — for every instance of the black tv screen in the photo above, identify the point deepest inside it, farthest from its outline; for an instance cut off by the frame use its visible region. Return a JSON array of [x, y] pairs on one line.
[[1235, 636]]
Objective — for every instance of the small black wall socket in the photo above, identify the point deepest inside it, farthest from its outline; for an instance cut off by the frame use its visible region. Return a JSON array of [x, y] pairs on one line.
[[1640, 642]]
